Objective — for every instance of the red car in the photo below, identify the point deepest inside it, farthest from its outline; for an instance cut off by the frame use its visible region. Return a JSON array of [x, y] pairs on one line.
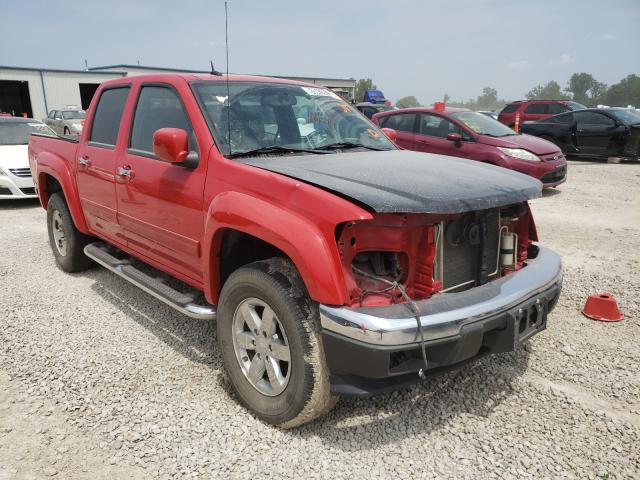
[[531, 110], [462, 133], [334, 262]]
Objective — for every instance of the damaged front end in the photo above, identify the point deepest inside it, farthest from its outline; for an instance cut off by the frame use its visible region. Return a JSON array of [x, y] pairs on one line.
[[432, 253], [430, 291]]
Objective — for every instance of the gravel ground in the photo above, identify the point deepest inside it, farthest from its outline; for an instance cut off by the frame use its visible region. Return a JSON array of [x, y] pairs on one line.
[[101, 381]]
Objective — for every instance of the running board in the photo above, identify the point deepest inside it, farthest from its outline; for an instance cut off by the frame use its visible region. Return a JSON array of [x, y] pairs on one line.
[[184, 303]]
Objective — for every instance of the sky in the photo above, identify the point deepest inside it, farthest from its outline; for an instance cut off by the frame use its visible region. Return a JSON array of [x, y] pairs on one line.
[[408, 47]]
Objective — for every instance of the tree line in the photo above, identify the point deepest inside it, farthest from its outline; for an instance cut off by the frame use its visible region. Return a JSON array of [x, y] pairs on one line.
[[582, 88]]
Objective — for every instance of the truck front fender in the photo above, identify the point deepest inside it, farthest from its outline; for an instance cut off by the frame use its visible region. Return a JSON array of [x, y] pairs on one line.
[[309, 246], [56, 167]]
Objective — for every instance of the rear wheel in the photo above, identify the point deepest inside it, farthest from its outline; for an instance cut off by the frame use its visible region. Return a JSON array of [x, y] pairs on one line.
[[67, 242], [269, 336]]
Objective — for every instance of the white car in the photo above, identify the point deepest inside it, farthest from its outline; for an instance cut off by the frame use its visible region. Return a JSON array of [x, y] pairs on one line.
[[15, 175]]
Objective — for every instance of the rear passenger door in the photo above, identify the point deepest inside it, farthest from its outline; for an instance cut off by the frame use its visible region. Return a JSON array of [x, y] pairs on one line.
[[97, 155], [405, 126], [160, 205]]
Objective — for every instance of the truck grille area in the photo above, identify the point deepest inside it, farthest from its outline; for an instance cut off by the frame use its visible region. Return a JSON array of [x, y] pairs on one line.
[[463, 248]]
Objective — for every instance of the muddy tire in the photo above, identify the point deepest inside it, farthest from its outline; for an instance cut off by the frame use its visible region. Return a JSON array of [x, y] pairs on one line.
[[269, 336], [67, 242]]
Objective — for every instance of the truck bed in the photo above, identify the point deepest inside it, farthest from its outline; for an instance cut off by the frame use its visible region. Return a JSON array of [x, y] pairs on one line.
[[61, 147]]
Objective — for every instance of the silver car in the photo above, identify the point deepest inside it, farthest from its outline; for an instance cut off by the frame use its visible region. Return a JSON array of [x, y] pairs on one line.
[[66, 121]]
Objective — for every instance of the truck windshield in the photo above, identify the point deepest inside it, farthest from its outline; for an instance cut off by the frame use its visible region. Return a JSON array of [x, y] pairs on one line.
[[73, 115], [483, 125], [277, 118], [18, 133]]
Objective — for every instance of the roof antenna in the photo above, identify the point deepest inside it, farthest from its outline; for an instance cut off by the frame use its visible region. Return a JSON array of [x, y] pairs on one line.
[[213, 70], [226, 41]]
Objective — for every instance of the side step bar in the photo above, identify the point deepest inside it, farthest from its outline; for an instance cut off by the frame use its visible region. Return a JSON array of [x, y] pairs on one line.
[[184, 303]]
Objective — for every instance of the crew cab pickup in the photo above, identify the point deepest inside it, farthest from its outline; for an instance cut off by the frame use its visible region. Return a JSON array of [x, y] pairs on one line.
[[333, 262]]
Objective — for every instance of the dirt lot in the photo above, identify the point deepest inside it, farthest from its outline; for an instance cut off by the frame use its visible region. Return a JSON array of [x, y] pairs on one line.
[[99, 380]]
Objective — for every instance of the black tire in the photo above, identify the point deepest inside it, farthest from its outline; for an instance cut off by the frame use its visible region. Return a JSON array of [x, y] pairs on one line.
[[71, 258], [307, 394]]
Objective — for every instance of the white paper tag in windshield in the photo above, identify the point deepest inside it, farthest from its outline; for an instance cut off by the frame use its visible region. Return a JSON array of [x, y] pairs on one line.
[[320, 92]]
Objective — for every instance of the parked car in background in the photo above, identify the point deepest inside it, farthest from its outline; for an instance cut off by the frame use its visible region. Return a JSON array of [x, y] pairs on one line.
[[374, 96], [594, 132], [535, 110], [15, 175], [493, 115], [462, 133], [333, 262], [369, 109], [67, 121]]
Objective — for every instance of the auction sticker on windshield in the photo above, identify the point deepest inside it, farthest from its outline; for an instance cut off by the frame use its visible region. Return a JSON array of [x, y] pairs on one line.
[[319, 92]]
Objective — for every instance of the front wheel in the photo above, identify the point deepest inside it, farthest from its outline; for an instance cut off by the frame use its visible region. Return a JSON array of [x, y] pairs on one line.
[[269, 336], [67, 242]]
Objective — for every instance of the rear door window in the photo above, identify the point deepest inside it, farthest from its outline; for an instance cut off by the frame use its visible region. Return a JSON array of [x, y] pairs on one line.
[[566, 119], [158, 107], [402, 122], [556, 108], [593, 118], [106, 121], [536, 108], [510, 108]]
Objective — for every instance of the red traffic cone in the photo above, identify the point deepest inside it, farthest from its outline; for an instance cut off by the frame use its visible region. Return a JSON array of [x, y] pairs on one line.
[[603, 307]]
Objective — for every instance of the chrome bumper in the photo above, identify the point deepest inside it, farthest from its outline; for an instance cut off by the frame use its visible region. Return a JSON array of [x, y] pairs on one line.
[[444, 315]]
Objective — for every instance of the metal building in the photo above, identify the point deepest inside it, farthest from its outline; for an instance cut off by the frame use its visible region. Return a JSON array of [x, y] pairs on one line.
[[33, 92]]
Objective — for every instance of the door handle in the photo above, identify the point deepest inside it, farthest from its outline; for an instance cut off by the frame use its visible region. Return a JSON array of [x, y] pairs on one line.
[[84, 161], [125, 172], [423, 141]]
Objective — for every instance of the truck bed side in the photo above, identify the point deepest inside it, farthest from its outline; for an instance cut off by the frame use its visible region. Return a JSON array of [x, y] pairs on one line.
[[52, 163]]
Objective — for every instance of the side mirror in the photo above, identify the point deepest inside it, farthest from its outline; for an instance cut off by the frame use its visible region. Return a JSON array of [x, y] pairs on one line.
[[171, 145], [390, 133], [454, 137]]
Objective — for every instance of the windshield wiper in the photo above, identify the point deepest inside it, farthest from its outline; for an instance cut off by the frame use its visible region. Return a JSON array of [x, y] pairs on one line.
[[272, 149], [347, 145]]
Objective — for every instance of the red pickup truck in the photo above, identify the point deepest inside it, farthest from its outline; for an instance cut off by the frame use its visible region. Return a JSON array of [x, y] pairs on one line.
[[333, 262]]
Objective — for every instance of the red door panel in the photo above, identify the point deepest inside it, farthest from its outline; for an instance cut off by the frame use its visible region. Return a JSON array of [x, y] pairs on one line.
[[155, 202], [160, 204], [97, 158]]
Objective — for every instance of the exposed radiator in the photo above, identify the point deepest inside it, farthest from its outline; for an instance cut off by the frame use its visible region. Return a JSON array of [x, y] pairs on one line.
[[459, 250]]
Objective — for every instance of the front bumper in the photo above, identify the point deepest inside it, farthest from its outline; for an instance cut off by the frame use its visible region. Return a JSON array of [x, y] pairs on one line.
[[12, 186], [364, 346]]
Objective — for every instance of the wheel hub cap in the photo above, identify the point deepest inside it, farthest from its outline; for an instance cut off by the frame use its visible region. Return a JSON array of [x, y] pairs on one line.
[[261, 347], [59, 237]]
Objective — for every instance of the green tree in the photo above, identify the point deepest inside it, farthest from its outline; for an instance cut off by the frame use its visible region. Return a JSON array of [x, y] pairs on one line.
[[585, 89], [362, 86], [487, 100], [598, 93], [549, 91], [625, 92], [408, 102]]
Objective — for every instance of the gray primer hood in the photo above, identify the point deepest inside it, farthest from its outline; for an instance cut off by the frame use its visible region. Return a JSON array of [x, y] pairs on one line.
[[402, 181]]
